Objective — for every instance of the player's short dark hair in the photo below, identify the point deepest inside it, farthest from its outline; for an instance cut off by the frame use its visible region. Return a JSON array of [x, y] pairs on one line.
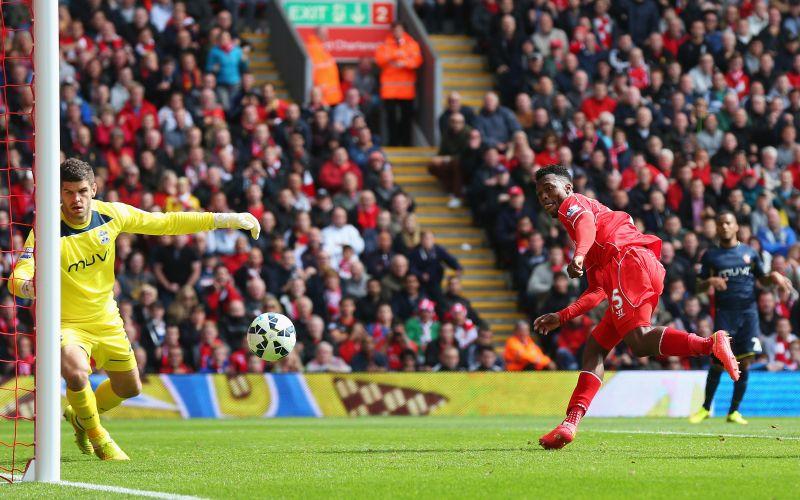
[[557, 170], [726, 212], [76, 170]]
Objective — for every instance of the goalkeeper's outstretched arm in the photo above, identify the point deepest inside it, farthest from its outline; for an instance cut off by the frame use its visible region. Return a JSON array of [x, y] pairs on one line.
[[20, 283], [141, 222]]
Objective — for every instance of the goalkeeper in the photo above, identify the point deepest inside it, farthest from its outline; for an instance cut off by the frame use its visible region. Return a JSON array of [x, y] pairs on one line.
[[91, 327]]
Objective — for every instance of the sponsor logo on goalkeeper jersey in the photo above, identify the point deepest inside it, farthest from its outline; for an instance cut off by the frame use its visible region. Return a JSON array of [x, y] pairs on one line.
[[87, 262], [27, 253]]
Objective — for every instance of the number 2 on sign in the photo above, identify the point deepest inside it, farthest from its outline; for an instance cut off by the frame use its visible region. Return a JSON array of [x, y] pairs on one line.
[[382, 13]]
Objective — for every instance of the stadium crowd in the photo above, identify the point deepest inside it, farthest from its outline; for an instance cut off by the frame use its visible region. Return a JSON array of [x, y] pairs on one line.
[[669, 114]]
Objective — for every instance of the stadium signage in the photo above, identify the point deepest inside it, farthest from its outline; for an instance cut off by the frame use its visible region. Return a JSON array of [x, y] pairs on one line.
[[355, 28]]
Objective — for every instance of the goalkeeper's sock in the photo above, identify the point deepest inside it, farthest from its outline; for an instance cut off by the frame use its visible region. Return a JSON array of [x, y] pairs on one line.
[[585, 391], [107, 399], [679, 343], [85, 406]]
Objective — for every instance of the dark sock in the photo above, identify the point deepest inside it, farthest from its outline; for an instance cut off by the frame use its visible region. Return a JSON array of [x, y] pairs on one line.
[[739, 387], [712, 382]]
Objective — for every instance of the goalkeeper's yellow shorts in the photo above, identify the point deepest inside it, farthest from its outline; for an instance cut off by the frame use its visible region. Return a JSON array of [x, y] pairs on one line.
[[105, 342]]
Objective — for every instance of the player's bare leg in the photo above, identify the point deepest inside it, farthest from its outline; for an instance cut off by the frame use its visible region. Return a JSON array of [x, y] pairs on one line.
[[82, 411], [589, 381]]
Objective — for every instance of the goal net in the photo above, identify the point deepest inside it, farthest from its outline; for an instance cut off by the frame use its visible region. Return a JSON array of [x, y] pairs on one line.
[[17, 317], [29, 157]]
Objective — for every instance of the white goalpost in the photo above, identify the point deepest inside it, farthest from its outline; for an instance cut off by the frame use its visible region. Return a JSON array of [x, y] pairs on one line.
[[47, 456]]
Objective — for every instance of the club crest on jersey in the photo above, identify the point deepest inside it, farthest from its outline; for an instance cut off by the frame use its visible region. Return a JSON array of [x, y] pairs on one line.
[[572, 210], [746, 258], [105, 239]]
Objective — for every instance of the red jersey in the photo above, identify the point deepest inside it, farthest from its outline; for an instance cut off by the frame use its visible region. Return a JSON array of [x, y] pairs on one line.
[[613, 231]]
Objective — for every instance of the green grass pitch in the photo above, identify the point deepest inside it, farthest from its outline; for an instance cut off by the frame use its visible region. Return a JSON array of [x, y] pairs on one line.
[[441, 457]]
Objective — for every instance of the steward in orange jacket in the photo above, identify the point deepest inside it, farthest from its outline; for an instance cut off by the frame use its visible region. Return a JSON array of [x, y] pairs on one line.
[[326, 72], [399, 57]]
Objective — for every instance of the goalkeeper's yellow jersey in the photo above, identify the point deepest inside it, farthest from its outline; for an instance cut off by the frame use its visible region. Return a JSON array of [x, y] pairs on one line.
[[88, 252]]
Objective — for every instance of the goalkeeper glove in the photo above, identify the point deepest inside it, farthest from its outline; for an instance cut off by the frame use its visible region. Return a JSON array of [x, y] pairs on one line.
[[244, 221]]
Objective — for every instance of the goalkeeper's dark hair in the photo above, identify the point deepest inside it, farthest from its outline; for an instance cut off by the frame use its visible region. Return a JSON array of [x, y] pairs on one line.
[[557, 170], [76, 170]]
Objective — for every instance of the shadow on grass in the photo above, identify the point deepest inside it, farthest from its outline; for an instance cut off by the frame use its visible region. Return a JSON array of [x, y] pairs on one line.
[[359, 451]]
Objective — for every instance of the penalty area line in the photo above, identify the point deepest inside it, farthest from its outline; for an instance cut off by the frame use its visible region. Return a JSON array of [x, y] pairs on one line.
[[127, 491], [699, 434]]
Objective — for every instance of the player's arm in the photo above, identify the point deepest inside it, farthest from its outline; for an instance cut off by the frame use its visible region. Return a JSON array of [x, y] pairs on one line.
[[585, 233], [588, 300], [706, 280], [141, 222], [20, 283]]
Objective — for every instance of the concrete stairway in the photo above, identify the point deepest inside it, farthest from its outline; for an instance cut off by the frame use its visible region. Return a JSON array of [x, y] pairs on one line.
[[261, 65], [487, 288], [462, 70]]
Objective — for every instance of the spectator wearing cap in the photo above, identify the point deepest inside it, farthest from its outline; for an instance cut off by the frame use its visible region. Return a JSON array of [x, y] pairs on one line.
[[332, 173], [339, 233], [427, 261], [496, 123], [522, 353], [423, 327]]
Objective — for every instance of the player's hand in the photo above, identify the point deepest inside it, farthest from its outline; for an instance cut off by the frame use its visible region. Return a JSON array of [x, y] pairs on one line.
[[546, 323], [575, 268], [718, 283], [28, 289], [244, 221]]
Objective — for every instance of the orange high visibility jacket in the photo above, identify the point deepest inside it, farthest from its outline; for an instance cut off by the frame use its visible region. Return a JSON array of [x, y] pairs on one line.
[[398, 63], [326, 73], [520, 353]]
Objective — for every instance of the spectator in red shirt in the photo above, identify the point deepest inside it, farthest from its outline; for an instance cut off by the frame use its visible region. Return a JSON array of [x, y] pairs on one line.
[[175, 364], [220, 293], [131, 115], [331, 174], [598, 102]]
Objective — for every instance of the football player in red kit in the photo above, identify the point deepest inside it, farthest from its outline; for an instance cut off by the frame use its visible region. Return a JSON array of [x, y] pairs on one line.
[[622, 265]]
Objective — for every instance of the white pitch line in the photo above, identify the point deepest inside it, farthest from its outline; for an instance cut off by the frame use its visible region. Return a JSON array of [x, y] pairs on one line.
[[127, 491], [701, 434]]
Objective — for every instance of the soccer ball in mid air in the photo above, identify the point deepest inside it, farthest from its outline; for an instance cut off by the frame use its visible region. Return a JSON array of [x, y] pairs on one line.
[[271, 336]]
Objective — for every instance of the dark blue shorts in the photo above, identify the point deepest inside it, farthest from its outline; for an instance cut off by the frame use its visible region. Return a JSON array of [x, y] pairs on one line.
[[743, 328]]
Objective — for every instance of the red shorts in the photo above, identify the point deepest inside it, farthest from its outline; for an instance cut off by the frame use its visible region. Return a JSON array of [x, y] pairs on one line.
[[633, 282]]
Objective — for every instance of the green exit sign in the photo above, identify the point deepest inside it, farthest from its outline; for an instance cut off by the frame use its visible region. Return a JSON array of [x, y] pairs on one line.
[[303, 13]]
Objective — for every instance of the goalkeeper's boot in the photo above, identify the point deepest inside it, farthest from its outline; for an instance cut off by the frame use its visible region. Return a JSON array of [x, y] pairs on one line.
[[106, 449], [81, 438], [698, 417], [723, 352], [736, 418]]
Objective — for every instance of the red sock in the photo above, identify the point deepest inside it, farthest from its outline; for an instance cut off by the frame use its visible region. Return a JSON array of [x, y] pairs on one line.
[[585, 390], [679, 343]]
